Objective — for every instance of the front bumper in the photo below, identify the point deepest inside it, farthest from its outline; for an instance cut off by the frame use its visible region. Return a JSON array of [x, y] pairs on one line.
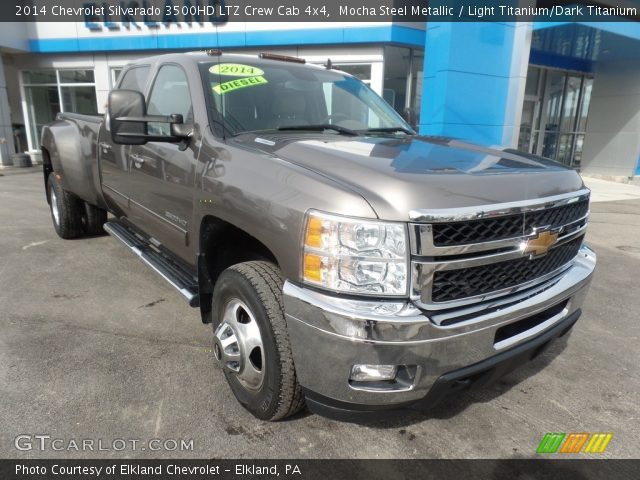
[[329, 335]]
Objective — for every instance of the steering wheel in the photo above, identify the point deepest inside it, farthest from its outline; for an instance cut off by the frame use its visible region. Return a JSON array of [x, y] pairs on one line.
[[335, 116]]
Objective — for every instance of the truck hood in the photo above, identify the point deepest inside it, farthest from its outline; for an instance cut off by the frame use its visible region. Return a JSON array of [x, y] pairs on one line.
[[396, 175]]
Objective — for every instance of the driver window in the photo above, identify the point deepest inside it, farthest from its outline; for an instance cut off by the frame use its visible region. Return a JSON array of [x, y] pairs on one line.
[[169, 95]]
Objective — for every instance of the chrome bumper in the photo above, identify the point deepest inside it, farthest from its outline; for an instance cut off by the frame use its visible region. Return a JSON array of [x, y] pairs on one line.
[[329, 335]]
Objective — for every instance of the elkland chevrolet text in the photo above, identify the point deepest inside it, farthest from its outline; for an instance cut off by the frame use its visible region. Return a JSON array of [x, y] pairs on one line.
[[342, 259]]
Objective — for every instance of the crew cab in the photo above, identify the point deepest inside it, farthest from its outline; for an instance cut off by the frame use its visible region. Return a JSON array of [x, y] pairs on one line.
[[342, 259]]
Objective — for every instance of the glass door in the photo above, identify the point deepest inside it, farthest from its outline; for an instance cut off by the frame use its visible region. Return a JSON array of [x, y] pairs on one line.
[[47, 92], [43, 103], [551, 112], [554, 114]]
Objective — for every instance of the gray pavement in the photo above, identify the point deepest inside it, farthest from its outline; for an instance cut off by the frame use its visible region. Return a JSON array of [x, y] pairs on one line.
[[94, 345]]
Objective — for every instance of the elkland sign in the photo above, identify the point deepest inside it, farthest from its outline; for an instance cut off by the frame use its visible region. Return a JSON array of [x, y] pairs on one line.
[[133, 14]]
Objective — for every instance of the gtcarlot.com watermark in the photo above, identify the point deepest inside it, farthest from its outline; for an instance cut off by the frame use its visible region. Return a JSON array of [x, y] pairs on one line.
[[43, 443]]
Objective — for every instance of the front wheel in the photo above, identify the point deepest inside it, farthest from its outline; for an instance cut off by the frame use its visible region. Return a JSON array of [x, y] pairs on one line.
[[251, 340]]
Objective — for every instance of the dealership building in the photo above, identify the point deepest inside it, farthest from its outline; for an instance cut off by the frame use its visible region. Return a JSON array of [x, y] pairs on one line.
[[567, 91]]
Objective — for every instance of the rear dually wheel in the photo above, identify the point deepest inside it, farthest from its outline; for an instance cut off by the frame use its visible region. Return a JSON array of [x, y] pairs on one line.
[[66, 211]]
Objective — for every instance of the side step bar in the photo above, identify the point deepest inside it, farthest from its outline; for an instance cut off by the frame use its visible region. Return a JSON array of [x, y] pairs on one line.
[[177, 276]]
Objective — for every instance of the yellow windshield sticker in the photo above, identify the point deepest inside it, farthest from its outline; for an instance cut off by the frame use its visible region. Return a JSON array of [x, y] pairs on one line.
[[235, 70], [232, 85]]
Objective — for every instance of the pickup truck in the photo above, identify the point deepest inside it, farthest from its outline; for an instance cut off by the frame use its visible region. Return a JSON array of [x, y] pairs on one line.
[[343, 260]]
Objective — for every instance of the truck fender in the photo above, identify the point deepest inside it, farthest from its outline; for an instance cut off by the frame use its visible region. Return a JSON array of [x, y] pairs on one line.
[[70, 151]]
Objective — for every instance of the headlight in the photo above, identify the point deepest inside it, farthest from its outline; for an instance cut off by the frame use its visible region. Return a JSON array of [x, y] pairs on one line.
[[355, 255]]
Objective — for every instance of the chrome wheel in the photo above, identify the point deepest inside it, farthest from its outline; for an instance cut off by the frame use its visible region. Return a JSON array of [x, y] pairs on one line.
[[54, 207], [238, 345]]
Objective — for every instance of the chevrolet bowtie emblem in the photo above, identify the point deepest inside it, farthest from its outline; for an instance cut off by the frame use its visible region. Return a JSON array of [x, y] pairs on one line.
[[541, 242]]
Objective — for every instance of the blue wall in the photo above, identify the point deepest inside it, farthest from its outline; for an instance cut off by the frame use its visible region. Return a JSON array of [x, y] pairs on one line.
[[392, 34], [468, 81]]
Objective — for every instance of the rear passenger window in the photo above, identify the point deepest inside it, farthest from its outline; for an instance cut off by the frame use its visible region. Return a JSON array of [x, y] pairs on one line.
[[169, 95], [135, 79]]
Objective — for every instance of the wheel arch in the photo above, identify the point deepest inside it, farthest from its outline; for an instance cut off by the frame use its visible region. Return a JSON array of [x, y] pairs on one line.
[[221, 245]]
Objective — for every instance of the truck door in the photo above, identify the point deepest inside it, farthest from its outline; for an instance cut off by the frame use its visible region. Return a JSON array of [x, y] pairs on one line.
[[114, 159], [162, 174]]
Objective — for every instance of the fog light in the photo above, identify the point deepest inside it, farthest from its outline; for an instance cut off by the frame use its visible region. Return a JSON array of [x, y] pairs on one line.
[[373, 373]]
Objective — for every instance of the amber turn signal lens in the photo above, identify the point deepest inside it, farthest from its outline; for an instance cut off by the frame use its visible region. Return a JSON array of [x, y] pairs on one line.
[[312, 267], [313, 235]]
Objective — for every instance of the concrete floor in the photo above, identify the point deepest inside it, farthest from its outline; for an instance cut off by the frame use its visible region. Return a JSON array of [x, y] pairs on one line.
[[94, 345], [606, 191]]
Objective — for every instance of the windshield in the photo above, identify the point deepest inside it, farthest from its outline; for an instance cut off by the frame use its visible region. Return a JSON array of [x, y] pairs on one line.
[[246, 97]]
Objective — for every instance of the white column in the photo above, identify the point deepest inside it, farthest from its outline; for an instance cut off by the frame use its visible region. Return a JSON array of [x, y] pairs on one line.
[[102, 75]]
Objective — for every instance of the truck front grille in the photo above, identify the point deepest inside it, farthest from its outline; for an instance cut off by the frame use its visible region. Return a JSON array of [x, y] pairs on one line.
[[468, 282], [466, 256], [498, 228]]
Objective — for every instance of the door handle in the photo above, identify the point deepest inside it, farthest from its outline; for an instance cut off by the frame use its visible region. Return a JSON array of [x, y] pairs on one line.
[[137, 159], [105, 147]]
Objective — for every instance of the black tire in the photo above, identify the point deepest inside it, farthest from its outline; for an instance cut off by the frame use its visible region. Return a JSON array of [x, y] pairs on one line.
[[258, 285], [68, 223], [93, 218]]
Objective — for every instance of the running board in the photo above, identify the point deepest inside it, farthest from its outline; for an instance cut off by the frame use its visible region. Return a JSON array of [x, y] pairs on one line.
[[176, 275]]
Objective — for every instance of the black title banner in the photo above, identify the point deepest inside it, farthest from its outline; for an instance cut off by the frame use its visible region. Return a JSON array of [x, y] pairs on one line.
[[583, 469], [116, 14]]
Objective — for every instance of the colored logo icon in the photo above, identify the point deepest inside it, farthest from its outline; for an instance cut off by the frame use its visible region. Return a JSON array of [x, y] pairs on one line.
[[574, 443]]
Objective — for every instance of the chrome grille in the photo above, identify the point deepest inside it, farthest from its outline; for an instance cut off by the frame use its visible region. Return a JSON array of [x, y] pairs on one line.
[[467, 256], [484, 230], [461, 233], [556, 217], [468, 282]]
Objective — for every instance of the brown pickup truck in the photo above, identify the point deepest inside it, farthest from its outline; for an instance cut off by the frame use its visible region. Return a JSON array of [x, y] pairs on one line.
[[342, 259]]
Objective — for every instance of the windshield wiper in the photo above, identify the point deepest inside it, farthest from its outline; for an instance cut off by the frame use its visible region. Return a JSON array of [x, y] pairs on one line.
[[320, 127], [389, 130]]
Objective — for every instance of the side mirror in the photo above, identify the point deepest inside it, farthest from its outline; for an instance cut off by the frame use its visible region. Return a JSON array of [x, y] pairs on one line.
[[128, 120], [122, 105]]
